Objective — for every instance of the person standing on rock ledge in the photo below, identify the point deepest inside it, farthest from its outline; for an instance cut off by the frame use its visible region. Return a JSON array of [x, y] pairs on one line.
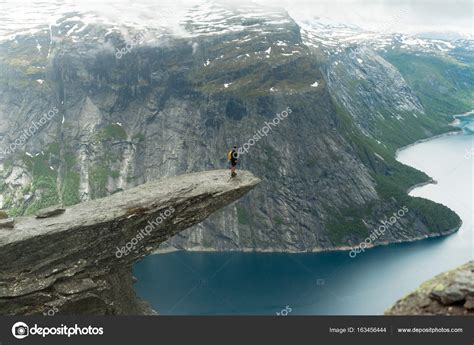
[[232, 158]]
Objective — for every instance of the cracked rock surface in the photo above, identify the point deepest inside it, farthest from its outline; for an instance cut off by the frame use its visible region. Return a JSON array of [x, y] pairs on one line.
[[72, 261], [449, 293]]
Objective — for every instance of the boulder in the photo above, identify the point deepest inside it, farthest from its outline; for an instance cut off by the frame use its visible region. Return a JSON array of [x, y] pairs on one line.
[[50, 212], [449, 293], [7, 223]]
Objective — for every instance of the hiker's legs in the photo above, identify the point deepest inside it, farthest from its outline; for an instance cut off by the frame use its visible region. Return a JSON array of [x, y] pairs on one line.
[[232, 170]]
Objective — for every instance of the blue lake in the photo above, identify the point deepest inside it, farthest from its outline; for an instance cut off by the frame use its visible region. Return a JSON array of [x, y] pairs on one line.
[[191, 283]]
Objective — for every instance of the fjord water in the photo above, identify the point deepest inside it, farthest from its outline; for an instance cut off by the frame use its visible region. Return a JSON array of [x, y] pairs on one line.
[[190, 283]]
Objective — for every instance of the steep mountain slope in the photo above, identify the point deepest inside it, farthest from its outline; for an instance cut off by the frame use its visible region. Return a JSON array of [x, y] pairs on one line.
[[443, 83], [135, 105], [393, 82]]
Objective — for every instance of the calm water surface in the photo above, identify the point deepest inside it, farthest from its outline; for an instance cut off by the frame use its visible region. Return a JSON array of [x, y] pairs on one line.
[[187, 283]]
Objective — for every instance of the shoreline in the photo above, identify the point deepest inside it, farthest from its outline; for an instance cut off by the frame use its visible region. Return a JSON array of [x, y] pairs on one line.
[[456, 131], [447, 134], [315, 250], [467, 113], [448, 232], [421, 184]]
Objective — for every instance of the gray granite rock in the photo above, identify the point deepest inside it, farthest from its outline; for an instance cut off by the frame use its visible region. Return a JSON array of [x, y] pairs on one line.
[[78, 263], [7, 223], [50, 212], [469, 304], [449, 293]]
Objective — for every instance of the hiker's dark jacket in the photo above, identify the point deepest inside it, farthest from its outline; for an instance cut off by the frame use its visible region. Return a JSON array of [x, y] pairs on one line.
[[233, 157]]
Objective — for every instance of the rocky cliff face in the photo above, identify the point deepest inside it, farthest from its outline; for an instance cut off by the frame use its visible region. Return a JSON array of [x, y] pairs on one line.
[[449, 293], [172, 104], [80, 261]]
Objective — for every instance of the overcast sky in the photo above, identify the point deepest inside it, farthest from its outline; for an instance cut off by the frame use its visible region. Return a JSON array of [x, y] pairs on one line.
[[409, 16], [406, 16]]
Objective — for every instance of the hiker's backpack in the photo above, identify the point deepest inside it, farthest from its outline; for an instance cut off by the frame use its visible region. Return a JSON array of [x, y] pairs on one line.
[[229, 155]]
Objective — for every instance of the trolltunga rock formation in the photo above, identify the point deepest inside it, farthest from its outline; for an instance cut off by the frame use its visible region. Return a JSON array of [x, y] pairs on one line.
[[70, 262]]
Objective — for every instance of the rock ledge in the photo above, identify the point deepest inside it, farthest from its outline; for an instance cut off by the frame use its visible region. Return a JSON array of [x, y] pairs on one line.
[[72, 261]]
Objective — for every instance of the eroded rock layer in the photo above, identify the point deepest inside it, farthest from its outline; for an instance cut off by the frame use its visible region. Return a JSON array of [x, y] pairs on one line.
[[79, 261]]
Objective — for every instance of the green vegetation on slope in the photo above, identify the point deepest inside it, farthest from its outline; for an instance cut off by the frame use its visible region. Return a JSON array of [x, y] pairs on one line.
[[43, 185], [443, 84], [71, 180], [112, 131], [393, 179], [98, 177]]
